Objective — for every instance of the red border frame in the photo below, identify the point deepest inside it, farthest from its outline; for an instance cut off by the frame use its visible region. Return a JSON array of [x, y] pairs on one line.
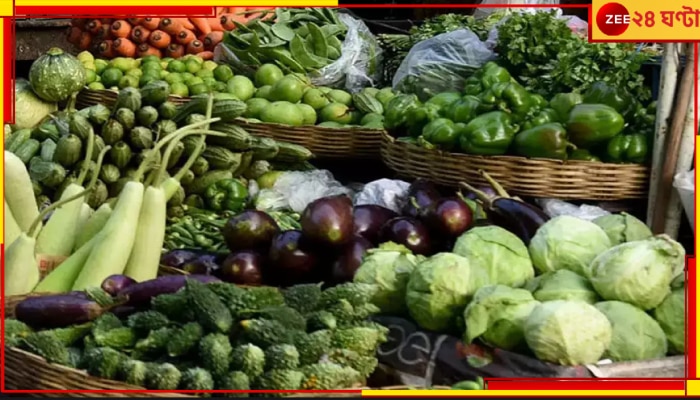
[[492, 383]]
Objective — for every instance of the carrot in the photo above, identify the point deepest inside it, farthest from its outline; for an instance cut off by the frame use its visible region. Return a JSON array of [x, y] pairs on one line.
[[195, 47], [93, 26], [215, 24], [139, 34], [185, 23], [159, 39], [202, 25], [18, 192], [175, 51], [105, 32], [85, 41], [145, 49], [170, 25], [106, 49], [185, 36], [120, 28], [221, 11], [135, 21], [73, 35], [150, 23], [212, 39], [206, 55], [124, 47]]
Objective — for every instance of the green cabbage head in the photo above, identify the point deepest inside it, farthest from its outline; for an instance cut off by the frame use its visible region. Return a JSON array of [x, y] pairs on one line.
[[635, 334], [623, 228], [562, 285], [568, 332], [567, 243], [439, 289], [389, 270], [503, 254], [30, 110], [639, 273], [497, 315], [670, 315]]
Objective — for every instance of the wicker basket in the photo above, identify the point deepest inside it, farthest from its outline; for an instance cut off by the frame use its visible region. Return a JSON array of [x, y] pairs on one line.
[[579, 180], [26, 371], [323, 142]]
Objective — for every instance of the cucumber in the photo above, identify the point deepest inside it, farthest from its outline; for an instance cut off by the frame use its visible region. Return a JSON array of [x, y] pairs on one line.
[[27, 149]]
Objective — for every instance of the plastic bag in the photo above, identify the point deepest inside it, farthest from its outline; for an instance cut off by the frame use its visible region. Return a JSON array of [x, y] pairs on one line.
[[684, 182], [483, 12], [555, 208], [295, 190], [441, 64], [358, 66], [387, 193]]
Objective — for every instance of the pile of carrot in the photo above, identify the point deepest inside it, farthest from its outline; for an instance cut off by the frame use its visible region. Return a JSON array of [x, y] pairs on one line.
[[162, 37]]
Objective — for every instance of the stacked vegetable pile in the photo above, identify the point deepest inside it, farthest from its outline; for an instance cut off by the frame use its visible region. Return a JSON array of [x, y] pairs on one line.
[[200, 334], [496, 115], [161, 37], [532, 288], [54, 149]]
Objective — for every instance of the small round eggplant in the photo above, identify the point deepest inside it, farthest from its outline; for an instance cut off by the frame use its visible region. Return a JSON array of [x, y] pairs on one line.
[[409, 232], [176, 258], [205, 264], [421, 196], [350, 259], [243, 268], [249, 230], [450, 217], [289, 262], [115, 283], [368, 219], [328, 221]]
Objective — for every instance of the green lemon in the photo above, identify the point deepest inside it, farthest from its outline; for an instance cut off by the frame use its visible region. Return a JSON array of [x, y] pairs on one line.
[[199, 88], [148, 77], [268, 74], [90, 76], [241, 87], [150, 59], [134, 72], [174, 77], [96, 86], [121, 63], [177, 66], [101, 65], [193, 66], [111, 76], [195, 80], [128, 81], [255, 107], [223, 73], [203, 73], [210, 65], [179, 89], [263, 92], [288, 89]]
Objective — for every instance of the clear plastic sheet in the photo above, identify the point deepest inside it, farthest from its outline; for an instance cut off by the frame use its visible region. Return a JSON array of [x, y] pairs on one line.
[[441, 64], [556, 208], [295, 190], [358, 66], [387, 193]]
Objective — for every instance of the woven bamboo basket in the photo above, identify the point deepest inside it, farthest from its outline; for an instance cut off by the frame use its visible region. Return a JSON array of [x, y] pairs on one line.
[[354, 142], [26, 371], [536, 177]]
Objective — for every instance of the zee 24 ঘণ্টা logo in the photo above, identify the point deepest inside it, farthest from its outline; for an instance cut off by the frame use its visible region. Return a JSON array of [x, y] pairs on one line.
[[613, 19]]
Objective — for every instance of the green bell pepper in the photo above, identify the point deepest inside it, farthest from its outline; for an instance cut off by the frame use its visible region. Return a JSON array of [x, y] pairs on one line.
[[562, 103], [518, 101], [539, 101], [226, 194], [544, 141], [397, 111], [628, 149], [492, 73], [464, 109], [583, 155], [441, 133], [618, 98], [420, 116], [472, 86], [592, 124], [488, 134], [545, 116]]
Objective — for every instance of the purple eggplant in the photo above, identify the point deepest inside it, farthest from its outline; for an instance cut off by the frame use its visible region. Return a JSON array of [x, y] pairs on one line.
[[124, 311], [116, 283], [140, 294], [368, 220], [422, 195], [56, 311], [176, 258], [510, 213], [449, 217], [349, 260], [243, 268], [205, 264], [409, 232], [289, 260]]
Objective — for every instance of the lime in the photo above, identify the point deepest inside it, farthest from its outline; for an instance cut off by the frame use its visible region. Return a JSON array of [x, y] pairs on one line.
[[90, 76], [220, 87], [193, 81], [268, 74], [148, 77], [89, 65], [187, 75], [134, 72], [308, 113], [166, 59], [164, 64], [193, 66], [121, 63], [200, 88], [263, 92], [150, 59], [210, 65], [173, 77], [241, 87], [96, 86], [210, 82], [85, 56], [255, 107], [288, 89], [101, 65], [223, 73], [128, 81], [151, 65], [179, 89], [164, 73], [177, 66], [111, 76], [193, 57], [204, 73]]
